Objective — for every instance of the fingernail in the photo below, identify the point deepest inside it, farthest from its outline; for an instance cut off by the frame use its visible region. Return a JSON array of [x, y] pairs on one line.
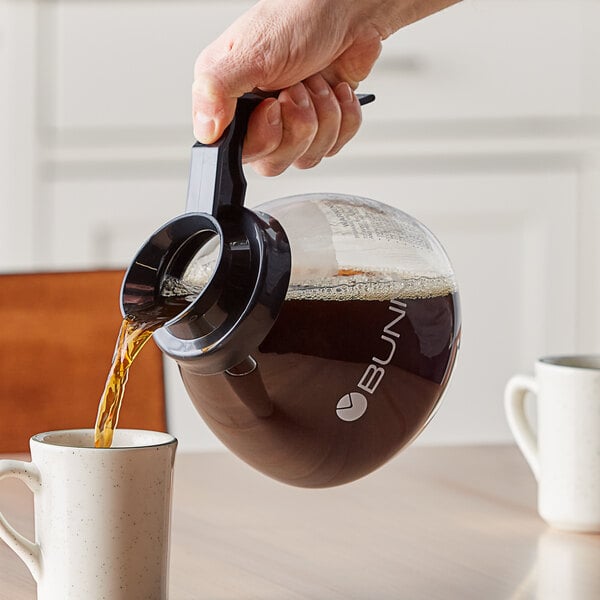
[[299, 96], [318, 86], [274, 114], [204, 129], [344, 93]]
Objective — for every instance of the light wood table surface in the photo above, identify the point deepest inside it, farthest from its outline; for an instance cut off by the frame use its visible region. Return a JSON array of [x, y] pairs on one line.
[[434, 524]]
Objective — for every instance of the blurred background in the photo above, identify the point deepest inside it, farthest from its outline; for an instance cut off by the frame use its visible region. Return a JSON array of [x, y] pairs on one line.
[[486, 128]]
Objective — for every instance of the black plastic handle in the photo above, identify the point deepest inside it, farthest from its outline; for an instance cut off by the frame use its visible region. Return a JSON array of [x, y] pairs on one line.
[[216, 174]]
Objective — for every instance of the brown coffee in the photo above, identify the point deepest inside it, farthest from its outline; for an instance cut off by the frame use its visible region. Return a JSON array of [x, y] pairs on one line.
[[133, 335], [131, 339], [337, 387]]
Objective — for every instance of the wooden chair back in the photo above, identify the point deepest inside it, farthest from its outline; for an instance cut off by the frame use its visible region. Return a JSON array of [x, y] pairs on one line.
[[57, 337]]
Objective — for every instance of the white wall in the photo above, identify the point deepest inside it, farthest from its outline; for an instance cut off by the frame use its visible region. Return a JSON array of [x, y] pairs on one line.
[[486, 128]]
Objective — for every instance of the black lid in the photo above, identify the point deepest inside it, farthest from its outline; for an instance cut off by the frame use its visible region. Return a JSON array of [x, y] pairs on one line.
[[241, 300]]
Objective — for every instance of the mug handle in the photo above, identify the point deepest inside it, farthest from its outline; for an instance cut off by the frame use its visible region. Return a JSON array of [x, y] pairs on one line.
[[514, 405], [26, 550]]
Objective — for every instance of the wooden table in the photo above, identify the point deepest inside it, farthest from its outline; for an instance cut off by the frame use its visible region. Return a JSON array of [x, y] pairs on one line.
[[434, 524]]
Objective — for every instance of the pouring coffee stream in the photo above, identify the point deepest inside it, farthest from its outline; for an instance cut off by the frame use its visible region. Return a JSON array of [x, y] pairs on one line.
[[318, 332]]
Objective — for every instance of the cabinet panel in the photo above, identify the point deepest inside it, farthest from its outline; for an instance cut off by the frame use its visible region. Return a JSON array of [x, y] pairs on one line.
[[97, 224], [128, 64], [486, 59], [18, 144]]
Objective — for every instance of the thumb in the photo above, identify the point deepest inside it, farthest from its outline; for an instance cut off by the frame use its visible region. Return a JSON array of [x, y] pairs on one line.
[[220, 78], [213, 108]]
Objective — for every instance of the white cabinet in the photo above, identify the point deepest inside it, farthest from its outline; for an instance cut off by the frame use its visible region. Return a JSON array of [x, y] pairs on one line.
[[125, 68], [486, 128], [486, 59]]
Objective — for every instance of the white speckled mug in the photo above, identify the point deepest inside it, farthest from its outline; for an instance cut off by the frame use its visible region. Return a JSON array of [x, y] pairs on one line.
[[564, 450], [102, 515]]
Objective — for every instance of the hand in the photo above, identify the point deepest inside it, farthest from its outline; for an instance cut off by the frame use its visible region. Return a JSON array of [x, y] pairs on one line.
[[316, 52]]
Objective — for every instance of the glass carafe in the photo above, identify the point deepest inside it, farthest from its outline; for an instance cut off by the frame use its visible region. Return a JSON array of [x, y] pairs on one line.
[[322, 329]]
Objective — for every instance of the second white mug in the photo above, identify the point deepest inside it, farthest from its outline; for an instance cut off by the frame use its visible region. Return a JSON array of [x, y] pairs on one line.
[[563, 451]]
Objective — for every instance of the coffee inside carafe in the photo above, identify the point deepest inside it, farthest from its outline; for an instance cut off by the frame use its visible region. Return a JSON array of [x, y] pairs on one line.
[[351, 371]]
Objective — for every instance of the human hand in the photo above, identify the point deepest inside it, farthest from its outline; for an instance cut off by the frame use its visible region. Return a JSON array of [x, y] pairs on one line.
[[316, 52]]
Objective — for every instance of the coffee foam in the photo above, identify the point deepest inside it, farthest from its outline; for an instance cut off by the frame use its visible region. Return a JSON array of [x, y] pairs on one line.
[[360, 286], [373, 287], [188, 287]]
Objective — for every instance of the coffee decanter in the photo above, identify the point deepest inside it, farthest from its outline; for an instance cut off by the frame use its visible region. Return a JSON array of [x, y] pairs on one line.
[[320, 330]]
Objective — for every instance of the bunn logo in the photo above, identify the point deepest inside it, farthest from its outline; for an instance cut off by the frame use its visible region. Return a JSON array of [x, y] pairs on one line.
[[352, 406]]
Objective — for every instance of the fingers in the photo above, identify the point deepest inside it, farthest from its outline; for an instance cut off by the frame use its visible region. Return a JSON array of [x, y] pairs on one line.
[[329, 117], [308, 121], [351, 116], [299, 127]]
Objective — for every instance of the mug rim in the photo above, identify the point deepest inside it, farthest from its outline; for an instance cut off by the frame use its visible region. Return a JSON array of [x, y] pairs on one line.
[[580, 362], [48, 439]]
